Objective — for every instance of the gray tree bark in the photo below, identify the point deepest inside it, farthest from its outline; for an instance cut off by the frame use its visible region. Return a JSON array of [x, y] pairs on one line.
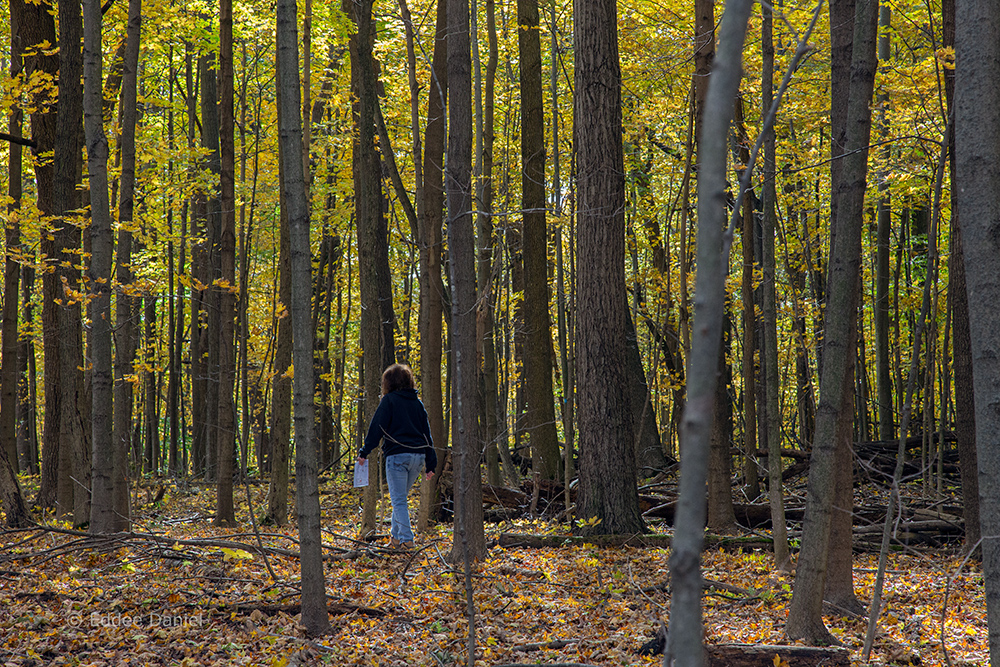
[[699, 414], [430, 242], [315, 617], [977, 161]]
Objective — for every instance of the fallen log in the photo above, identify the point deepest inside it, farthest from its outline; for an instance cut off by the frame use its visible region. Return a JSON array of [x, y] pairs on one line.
[[751, 655], [514, 540]]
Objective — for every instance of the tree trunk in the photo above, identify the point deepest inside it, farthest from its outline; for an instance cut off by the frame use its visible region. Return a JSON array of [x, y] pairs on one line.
[[125, 334], [226, 291], [430, 243], [376, 332], [977, 161], [281, 384], [965, 417], [769, 316], [104, 518], [805, 619], [315, 617], [469, 540], [608, 497], [493, 433], [540, 421], [73, 457], [689, 531]]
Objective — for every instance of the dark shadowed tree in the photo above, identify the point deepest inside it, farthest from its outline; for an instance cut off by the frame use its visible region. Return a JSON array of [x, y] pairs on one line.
[[540, 419], [608, 497]]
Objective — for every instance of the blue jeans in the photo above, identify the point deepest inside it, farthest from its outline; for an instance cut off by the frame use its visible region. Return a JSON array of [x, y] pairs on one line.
[[401, 471]]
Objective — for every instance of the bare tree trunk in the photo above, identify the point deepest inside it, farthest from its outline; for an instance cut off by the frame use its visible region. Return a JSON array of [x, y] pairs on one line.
[[608, 498], [469, 541], [965, 417], [805, 619], [772, 388], [430, 243], [73, 490], [699, 414], [315, 617], [104, 518], [226, 291]]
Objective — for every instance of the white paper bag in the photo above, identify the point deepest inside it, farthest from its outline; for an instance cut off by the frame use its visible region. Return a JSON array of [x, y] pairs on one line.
[[361, 474]]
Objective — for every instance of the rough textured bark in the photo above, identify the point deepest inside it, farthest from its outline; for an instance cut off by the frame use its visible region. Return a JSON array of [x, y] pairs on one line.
[[73, 482], [685, 559], [315, 617], [430, 245], [103, 518], [226, 290], [608, 497], [43, 132], [540, 420], [469, 540], [12, 244], [805, 620]]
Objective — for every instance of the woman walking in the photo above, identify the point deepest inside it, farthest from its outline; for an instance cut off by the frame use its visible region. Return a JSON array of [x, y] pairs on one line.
[[400, 423]]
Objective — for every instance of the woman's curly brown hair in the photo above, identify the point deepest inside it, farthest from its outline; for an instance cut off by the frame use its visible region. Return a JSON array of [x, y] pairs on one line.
[[397, 376]]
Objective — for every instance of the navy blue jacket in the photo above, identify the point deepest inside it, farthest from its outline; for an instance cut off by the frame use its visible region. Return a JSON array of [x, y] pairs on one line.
[[400, 422]]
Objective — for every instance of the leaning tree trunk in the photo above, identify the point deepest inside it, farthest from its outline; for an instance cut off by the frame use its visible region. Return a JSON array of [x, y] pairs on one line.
[[699, 413]]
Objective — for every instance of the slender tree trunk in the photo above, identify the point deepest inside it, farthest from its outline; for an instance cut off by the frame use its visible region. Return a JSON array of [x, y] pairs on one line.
[[772, 388], [469, 540], [104, 517], [125, 334], [315, 617], [486, 280], [281, 383], [699, 413], [540, 420], [210, 138], [226, 291], [430, 243]]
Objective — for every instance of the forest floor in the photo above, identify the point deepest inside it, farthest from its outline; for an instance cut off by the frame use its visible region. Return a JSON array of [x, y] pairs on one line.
[[183, 591]]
